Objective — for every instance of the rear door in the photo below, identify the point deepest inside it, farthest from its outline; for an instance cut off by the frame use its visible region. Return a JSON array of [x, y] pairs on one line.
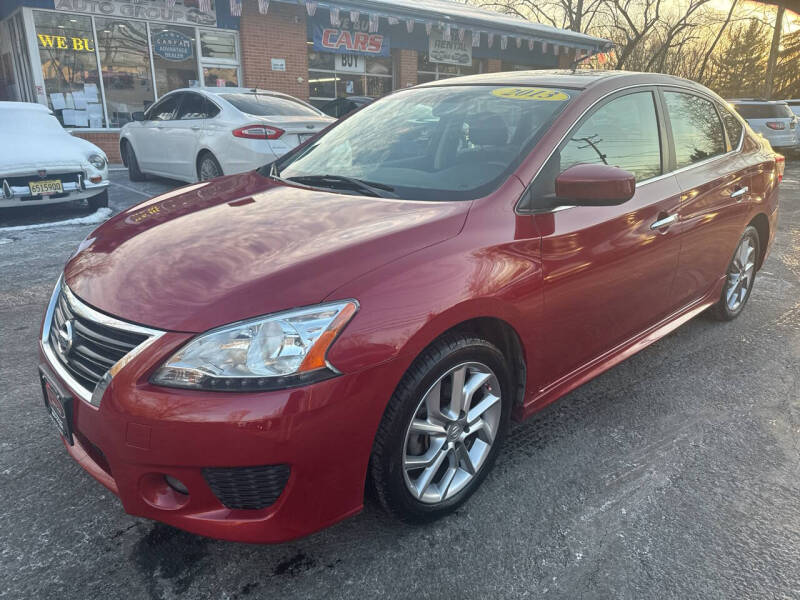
[[185, 133], [608, 271], [714, 177]]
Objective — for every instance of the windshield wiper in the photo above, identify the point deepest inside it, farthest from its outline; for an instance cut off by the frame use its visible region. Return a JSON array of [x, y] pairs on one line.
[[369, 188]]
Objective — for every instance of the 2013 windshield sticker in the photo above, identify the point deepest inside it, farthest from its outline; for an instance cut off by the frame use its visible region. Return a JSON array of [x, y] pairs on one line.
[[530, 93]]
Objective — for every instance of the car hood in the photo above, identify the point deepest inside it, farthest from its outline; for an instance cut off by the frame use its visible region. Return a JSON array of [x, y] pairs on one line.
[[25, 153], [242, 246]]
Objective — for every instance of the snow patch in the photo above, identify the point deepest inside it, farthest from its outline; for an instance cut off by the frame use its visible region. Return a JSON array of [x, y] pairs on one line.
[[99, 216]]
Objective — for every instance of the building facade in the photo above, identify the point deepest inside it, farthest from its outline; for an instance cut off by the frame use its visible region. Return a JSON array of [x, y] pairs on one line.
[[96, 63]]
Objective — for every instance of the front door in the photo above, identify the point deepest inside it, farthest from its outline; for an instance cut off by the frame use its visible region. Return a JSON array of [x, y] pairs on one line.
[[151, 142], [608, 271]]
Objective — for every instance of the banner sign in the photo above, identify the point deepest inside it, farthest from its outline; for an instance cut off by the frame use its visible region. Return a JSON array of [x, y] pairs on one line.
[[151, 10], [349, 37], [452, 52], [173, 45]]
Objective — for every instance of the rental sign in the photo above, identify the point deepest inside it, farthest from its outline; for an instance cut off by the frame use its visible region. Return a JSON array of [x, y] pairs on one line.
[[346, 41]]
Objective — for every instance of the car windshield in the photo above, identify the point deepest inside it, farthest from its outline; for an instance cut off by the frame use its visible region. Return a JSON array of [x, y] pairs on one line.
[[264, 105], [764, 111], [455, 142], [28, 121]]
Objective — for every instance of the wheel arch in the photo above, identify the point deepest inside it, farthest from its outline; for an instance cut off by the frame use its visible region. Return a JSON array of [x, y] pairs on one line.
[[761, 223]]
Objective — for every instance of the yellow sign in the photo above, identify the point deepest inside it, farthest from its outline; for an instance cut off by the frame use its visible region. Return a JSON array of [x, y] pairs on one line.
[[60, 42], [530, 93]]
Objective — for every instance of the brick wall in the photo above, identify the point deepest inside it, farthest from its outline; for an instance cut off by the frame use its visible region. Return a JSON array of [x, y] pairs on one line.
[[494, 65], [281, 33], [107, 142], [405, 67]]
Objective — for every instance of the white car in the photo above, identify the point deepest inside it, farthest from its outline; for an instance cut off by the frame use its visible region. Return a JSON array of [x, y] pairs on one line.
[[195, 134], [771, 118], [41, 163]]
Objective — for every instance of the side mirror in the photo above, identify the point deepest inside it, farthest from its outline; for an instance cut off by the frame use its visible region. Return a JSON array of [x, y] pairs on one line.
[[595, 185], [137, 116]]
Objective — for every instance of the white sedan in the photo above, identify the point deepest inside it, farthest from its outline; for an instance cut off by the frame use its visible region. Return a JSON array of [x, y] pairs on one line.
[[41, 163], [195, 134]]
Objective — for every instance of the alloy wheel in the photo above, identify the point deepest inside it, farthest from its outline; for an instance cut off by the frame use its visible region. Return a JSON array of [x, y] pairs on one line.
[[452, 432], [209, 169], [740, 274]]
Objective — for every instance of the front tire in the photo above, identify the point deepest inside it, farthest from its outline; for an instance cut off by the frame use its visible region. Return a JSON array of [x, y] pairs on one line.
[[740, 277], [442, 429], [134, 172], [98, 201]]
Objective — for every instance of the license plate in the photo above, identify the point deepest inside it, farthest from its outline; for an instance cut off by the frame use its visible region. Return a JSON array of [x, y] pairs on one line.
[[45, 187], [59, 407]]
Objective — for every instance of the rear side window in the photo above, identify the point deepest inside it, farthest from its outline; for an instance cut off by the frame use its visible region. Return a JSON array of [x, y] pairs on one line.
[[732, 125], [623, 133], [763, 111], [192, 107], [263, 105], [696, 128]]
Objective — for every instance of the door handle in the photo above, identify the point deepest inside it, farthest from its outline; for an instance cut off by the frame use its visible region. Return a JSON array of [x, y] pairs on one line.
[[196, 128], [665, 222], [739, 193]]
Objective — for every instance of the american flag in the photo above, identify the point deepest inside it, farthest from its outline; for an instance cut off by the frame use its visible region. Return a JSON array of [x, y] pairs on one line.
[[236, 8], [263, 6], [204, 6]]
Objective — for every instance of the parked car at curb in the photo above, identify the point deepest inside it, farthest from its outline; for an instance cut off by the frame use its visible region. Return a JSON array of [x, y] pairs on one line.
[[240, 357], [41, 163], [195, 134], [341, 107], [773, 119]]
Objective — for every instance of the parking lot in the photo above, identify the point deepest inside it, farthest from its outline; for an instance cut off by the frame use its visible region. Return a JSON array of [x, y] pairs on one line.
[[674, 475]]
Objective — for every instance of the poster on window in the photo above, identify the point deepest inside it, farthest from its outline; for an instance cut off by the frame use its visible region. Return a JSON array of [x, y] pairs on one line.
[[453, 52], [350, 63], [173, 45]]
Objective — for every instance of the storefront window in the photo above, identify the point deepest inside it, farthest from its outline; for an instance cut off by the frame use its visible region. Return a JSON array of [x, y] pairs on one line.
[[125, 62], [221, 76], [69, 68], [337, 76], [220, 46], [427, 70], [174, 57], [321, 85]]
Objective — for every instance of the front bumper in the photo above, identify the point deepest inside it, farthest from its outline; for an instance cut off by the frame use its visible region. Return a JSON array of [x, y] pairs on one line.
[[13, 196], [141, 433]]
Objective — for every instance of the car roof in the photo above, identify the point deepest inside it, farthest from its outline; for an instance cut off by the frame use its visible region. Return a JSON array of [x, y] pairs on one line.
[[756, 101], [25, 106], [216, 91], [566, 78]]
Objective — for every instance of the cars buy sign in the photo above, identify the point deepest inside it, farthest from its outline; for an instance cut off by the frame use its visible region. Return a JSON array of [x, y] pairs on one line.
[[346, 41]]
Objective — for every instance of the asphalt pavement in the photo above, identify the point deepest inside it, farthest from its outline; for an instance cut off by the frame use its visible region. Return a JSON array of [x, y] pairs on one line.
[[674, 475]]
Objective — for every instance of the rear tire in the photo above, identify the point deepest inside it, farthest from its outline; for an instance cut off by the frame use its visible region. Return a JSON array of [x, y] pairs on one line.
[[740, 277], [98, 201], [428, 458], [134, 172], [208, 167]]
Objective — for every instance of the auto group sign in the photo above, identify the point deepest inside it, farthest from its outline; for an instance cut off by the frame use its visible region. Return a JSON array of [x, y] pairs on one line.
[[152, 10], [349, 37]]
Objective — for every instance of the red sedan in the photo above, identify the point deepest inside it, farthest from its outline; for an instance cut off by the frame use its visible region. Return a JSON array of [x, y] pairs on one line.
[[239, 357]]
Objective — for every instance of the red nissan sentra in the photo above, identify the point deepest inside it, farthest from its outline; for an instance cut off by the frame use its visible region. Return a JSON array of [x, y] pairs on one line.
[[238, 357]]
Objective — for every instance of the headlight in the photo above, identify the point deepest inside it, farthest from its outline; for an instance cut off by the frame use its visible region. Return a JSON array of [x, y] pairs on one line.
[[97, 161], [273, 352]]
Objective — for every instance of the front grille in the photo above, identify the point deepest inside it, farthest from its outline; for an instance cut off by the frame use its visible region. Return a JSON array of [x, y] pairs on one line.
[[249, 488], [95, 347]]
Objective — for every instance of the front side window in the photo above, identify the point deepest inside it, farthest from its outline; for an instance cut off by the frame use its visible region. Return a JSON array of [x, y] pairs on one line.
[[164, 110], [438, 143], [623, 133], [69, 68], [696, 128], [125, 60]]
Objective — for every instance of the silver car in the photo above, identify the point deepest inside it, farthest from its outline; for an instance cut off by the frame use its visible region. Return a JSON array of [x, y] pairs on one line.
[[773, 119]]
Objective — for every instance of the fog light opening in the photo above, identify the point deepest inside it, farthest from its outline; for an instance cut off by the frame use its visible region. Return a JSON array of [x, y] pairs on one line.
[[177, 485]]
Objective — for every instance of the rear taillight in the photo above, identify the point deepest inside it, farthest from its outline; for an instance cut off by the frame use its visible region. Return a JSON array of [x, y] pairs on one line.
[[777, 125], [780, 165], [258, 132]]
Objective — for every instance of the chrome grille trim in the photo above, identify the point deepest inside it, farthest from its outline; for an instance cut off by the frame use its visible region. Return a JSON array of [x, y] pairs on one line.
[[90, 374]]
